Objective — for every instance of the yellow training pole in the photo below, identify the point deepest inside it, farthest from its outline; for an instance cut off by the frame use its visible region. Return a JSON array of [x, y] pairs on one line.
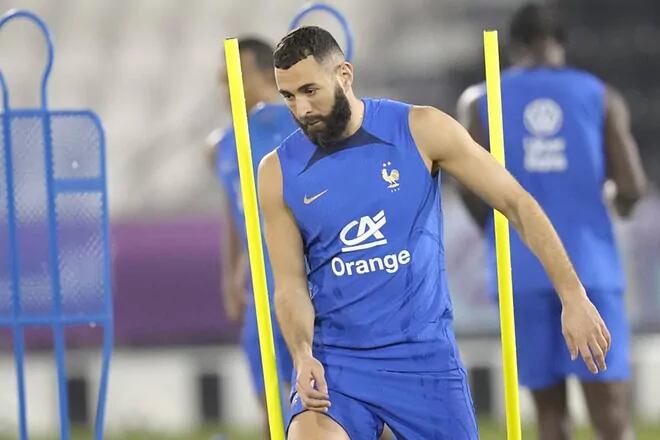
[[491, 53], [255, 246]]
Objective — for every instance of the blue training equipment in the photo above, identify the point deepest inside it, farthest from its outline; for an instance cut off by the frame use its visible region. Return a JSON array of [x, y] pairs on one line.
[[312, 7], [54, 241]]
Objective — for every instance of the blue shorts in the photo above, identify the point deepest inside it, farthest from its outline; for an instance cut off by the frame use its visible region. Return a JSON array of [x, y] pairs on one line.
[[543, 357], [418, 399], [250, 344]]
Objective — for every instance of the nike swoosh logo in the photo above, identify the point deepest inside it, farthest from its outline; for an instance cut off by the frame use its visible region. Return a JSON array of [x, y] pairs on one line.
[[308, 200]]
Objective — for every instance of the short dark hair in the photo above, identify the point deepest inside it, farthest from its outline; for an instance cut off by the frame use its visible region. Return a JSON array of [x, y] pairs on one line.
[[263, 51], [533, 22], [303, 42]]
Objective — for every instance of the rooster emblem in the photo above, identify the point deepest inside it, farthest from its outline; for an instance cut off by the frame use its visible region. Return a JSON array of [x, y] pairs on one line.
[[391, 177]]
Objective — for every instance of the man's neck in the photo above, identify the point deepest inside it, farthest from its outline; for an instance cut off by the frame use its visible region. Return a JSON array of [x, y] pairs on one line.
[[543, 54], [357, 115]]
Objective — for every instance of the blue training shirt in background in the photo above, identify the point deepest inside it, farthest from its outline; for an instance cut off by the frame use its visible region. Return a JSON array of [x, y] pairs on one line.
[[269, 125], [554, 145]]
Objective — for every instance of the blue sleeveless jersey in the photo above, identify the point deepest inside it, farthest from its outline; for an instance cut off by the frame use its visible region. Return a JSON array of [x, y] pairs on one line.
[[554, 145], [269, 125], [369, 214]]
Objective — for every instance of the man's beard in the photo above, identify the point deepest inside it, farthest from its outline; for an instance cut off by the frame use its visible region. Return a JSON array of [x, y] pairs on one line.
[[333, 125]]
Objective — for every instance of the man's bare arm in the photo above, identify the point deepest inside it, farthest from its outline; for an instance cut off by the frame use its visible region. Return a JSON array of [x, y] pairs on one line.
[[233, 266], [624, 165], [293, 306], [447, 145], [233, 256], [451, 148]]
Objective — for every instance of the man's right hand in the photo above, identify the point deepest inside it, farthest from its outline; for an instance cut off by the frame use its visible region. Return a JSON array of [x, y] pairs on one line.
[[311, 385]]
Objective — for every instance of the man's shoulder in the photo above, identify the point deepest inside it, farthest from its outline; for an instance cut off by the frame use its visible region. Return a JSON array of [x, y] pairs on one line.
[[225, 148], [583, 74], [292, 148], [227, 140], [387, 107], [292, 140], [269, 114]]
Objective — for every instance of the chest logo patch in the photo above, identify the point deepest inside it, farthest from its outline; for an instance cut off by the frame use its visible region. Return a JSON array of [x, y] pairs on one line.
[[308, 200], [390, 176]]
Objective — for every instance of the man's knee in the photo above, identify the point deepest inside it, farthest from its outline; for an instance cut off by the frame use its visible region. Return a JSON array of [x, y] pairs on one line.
[[609, 408], [311, 425], [612, 423]]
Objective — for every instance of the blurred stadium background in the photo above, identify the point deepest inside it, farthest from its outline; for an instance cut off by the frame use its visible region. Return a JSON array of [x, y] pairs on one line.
[[149, 68]]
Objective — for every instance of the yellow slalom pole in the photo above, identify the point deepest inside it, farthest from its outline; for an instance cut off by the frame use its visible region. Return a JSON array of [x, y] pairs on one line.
[[503, 251], [255, 246]]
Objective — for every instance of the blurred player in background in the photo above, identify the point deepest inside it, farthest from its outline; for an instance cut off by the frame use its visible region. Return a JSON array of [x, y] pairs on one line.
[[269, 123], [355, 194], [566, 134]]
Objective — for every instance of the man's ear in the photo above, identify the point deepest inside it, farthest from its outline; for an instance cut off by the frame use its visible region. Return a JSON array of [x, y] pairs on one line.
[[346, 74]]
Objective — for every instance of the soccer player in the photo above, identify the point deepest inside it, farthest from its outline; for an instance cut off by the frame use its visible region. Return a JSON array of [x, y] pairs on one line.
[[269, 123], [353, 224], [566, 133]]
